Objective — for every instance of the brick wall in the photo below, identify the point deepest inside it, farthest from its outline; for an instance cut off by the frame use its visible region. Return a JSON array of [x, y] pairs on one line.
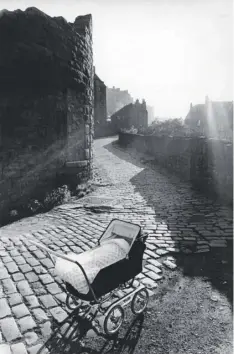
[[46, 104], [206, 163]]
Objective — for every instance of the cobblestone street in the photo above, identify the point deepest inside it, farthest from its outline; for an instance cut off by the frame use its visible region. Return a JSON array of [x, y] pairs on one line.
[[128, 187]]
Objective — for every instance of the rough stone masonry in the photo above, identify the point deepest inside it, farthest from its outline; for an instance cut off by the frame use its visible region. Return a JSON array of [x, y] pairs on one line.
[[46, 103]]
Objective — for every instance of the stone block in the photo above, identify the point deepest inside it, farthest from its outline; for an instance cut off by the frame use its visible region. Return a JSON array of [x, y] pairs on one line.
[[18, 348], [10, 329], [20, 311], [4, 308], [26, 324]]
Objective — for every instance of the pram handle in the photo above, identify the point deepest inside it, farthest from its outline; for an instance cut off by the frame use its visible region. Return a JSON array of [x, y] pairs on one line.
[[57, 254]]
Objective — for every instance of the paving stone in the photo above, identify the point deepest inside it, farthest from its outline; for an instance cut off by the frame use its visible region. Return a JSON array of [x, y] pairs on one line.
[[151, 246], [12, 267], [46, 278], [61, 297], [48, 301], [31, 301], [19, 260], [4, 308], [30, 338], [161, 252], [8, 286], [169, 264], [7, 259], [10, 329], [53, 288], [18, 348], [149, 283], [173, 249], [5, 349], [39, 254], [153, 268], [25, 268], [40, 315], [24, 288], [15, 299], [38, 288], [47, 263], [26, 323], [152, 254], [153, 275], [31, 277], [33, 262], [3, 273], [154, 262], [18, 276], [20, 311], [35, 349], [58, 313]]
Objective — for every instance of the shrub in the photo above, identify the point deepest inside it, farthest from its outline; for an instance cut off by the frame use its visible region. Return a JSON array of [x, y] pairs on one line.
[[131, 130], [57, 197]]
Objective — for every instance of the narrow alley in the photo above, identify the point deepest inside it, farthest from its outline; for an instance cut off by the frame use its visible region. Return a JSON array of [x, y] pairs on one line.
[[181, 224]]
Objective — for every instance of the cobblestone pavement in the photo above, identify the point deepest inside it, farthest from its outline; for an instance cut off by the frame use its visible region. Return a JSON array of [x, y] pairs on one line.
[[128, 187]]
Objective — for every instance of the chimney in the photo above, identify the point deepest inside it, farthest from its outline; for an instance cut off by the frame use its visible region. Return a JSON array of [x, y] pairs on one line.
[[191, 106]]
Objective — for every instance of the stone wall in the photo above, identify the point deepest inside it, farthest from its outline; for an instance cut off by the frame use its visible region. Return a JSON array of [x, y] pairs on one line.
[[100, 110], [46, 104], [206, 163], [133, 115]]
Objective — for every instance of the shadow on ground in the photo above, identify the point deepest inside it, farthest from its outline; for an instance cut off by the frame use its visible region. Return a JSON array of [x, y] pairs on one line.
[[195, 215], [68, 338]]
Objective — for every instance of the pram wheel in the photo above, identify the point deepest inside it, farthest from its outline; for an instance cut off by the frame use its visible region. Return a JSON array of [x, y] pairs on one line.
[[113, 320], [139, 301]]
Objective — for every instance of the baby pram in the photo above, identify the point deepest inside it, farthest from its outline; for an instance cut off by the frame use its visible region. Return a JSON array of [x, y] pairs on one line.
[[105, 272]]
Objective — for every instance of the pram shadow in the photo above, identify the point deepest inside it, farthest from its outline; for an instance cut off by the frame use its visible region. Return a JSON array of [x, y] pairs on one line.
[[68, 338]]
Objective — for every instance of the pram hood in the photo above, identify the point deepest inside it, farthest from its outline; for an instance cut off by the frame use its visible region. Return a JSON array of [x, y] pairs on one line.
[[114, 245], [92, 261]]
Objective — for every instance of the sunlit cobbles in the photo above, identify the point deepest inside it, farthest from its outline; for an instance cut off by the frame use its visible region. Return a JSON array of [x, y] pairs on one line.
[[4, 308], [26, 323], [31, 277], [3, 273], [15, 299], [149, 283], [169, 264], [31, 338], [24, 288], [20, 311], [18, 348], [31, 301], [40, 315], [47, 301], [5, 348], [9, 329], [58, 313], [8, 286]]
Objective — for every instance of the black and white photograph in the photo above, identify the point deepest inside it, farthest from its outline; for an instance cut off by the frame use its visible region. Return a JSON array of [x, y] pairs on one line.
[[116, 176]]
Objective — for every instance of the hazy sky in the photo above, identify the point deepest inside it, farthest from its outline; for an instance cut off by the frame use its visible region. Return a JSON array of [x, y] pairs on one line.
[[170, 52]]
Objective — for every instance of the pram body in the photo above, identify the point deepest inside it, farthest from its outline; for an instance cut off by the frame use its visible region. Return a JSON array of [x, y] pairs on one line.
[[95, 275]]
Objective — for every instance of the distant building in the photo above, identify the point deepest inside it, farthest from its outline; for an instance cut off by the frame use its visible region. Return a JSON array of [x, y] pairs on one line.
[[212, 119], [100, 109], [150, 111], [133, 115], [117, 99]]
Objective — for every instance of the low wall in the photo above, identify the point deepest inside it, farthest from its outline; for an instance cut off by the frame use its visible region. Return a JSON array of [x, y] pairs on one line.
[[206, 163]]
